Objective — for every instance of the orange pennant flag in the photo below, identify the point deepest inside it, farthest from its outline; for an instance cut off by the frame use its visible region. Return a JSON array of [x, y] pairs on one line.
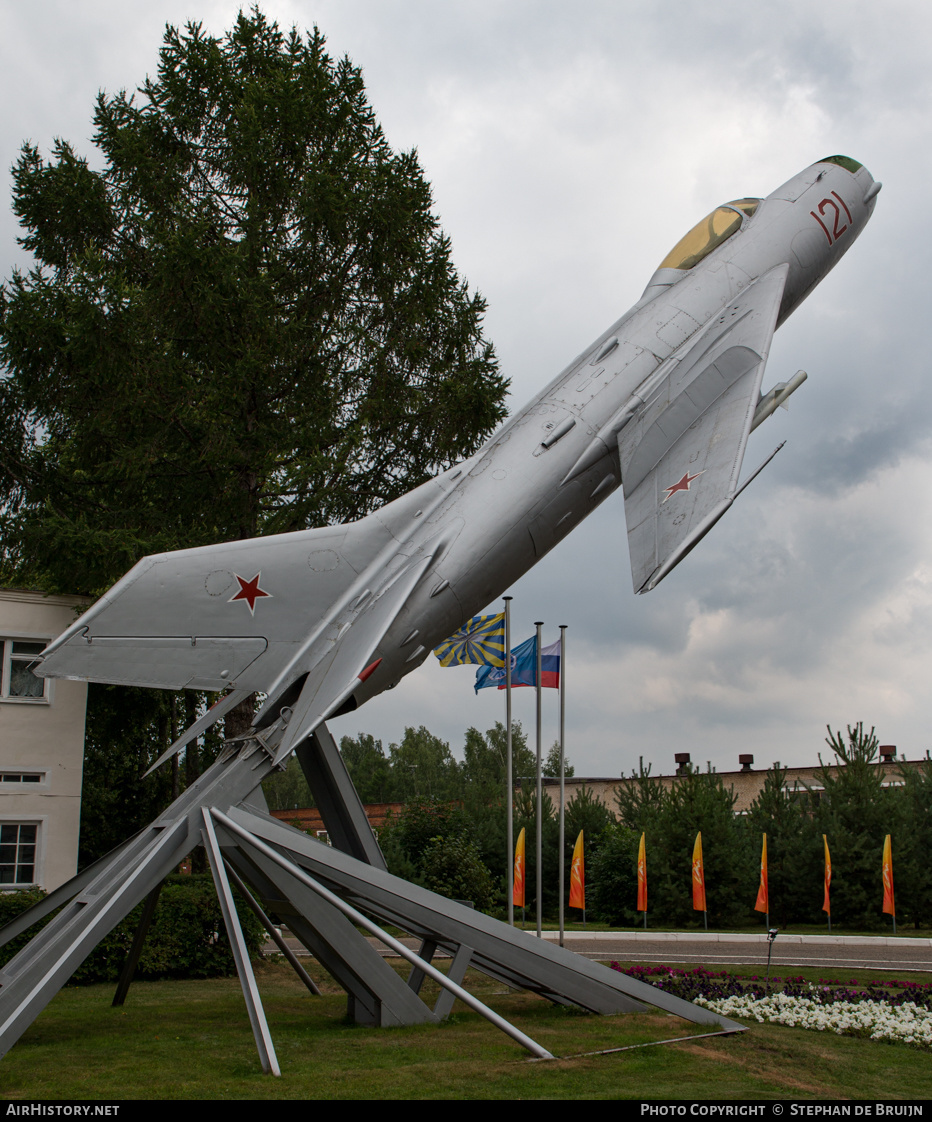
[[763, 895], [578, 875], [826, 905], [517, 894], [888, 905], [698, 876], [642, 876]]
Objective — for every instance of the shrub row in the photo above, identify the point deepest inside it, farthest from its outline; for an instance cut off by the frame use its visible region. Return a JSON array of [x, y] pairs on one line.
[[187, 937]]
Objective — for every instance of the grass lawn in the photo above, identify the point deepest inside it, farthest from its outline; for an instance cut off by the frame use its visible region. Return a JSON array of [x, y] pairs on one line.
[[192, 1040]]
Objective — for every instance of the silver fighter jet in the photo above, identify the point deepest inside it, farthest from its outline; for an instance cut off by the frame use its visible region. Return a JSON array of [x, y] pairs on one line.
[[661, 405]]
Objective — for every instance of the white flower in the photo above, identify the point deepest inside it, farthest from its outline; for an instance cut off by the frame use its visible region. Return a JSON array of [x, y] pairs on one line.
[[906, 1023]]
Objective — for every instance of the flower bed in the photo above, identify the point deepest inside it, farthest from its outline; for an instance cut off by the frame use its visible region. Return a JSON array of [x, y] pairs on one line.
[[878, 1020], [880, 1010]]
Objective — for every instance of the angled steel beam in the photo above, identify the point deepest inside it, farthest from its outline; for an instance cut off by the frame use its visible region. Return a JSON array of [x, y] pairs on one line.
[[502, 952], [60, 895], [260, 1026], [113, 886], [376, 995], [33, 977], [311, 884], [273, 934], [457, 972], [426, 951], [139, 940], [363, 921], [337, 798]]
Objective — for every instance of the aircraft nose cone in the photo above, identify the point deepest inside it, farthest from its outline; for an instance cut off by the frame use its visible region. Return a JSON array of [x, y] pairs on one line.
[[873, 185], [843, 162]]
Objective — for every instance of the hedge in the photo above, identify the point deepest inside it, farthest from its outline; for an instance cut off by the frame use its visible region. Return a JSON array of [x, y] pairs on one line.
[[187, 937]]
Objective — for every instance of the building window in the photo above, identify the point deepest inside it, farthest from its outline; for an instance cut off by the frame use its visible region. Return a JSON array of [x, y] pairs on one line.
[[17, 681], [808, 797], [22, 777], [18, 853]]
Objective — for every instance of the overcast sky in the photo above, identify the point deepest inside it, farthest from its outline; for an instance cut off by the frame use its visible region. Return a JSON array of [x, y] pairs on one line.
[[568, 151]]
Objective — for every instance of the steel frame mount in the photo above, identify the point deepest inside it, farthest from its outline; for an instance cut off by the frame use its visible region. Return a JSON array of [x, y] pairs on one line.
[[324, 894]]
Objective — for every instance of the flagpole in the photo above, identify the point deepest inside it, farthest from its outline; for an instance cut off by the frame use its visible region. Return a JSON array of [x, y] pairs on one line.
[[509, 766], [540, 882], [563, 771]]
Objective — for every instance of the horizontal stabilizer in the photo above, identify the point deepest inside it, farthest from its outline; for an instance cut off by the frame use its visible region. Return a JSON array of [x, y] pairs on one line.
[[230, 615], [171, 662]]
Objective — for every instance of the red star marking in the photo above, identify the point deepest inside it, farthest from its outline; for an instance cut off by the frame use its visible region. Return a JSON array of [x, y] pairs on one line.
[[681, 484], [249, 591]]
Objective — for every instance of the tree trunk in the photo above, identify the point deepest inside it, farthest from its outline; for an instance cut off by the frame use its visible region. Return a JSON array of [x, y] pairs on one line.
[[239, 720]]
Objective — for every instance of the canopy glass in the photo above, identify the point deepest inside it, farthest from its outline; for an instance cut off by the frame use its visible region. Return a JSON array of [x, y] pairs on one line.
[[708, 234]]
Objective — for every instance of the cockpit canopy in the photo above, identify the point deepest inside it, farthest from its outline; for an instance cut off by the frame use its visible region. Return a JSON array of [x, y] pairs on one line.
[[709, 234]]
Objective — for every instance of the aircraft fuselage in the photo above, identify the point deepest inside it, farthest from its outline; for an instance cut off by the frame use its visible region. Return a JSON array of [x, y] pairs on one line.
[[512, 501], [337, 615]]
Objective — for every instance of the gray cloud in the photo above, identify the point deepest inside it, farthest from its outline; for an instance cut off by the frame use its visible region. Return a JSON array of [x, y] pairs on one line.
[[568, 150]]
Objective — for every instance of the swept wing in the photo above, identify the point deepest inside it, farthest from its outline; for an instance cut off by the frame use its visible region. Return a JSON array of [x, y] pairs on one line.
[[682, 453]]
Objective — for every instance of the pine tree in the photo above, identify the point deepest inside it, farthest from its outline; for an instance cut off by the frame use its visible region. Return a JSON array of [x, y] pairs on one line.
[[794, 849], [587, 813], [856, 812], [640, 801], [247, 322], [612, 879], [912, 869]]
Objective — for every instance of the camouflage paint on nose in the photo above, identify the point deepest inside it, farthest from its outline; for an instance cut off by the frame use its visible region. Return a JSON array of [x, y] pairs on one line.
[[843, 162]]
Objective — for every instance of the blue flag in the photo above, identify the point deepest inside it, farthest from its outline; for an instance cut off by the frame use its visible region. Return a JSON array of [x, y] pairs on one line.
[[523, 668]]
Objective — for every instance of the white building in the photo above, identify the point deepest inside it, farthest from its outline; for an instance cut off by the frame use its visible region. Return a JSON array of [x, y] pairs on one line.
[[41, 746]]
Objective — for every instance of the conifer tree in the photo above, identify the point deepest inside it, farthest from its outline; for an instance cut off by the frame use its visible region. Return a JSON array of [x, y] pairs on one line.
[[912, 868], [246, 322], [794, 849], [856, 811]]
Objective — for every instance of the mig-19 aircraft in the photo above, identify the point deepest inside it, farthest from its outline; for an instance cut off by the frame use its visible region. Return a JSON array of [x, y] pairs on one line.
[[660, 405]]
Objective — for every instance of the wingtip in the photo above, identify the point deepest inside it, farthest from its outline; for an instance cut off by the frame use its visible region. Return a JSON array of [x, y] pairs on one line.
[[686, 546]]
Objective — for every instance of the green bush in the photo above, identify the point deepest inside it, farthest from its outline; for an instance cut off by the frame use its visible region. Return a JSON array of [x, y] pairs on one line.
[[453, 868], [187, 937]]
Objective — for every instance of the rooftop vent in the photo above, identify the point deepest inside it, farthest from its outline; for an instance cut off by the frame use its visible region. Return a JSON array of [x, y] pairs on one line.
[[682, 761], [887, 753], [745, 761]]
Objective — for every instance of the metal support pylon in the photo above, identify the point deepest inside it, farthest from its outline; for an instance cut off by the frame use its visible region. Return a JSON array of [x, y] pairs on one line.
[[260, 1027], [307, 885], [105, 894]]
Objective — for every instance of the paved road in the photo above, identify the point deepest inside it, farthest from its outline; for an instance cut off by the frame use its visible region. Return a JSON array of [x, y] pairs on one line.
[[831, 952], [836, 952]]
